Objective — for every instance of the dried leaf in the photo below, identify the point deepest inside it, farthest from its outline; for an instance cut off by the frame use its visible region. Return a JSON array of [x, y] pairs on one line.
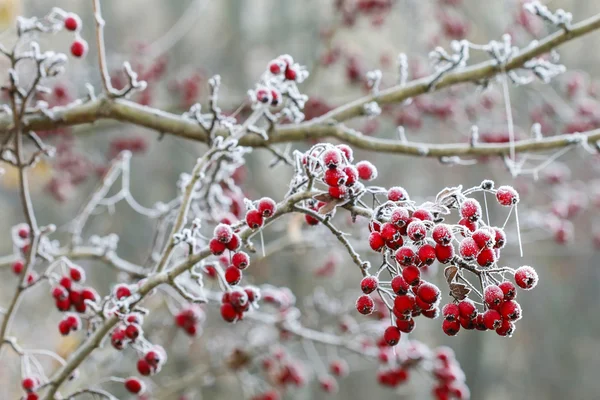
[[324, 197], [459, 291], [448, 196], [450, 272], [329, 207]]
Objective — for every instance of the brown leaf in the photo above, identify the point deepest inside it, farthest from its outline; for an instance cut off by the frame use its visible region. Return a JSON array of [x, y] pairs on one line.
[[329, 207], [324, 197], [450, 272], [459, 291]]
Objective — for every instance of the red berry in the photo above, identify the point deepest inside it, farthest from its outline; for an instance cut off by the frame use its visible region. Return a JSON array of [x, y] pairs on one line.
[[509, 290], [338, 192], [334, 177], [404, 304], [368, 284], [223, 233], [412, 275], [365, 304], [442, 234], [432, 313], [332, 158], [72, 22], [426, 254], [444, 253], [400, 216], [228, 312], [275, 98], [351, 175], [511, 310], [470, 209], [134, 385], [18, 267], [500, 238], [60, 293], [416, 231], [366, 170], [376, 241], [275, 68], [132, 331], [507, 196], [467, 323], [74, 321], [233, 275], [451, 311], [486, 257], [399, 285], [254, 219], [216, 247], [405, 256], [310, 220], [468, 249], [122, 291], [240, 260], [29, 384], [64, 327], [467, 223], [397, 193], [347, 151], [234, 243], [77, 274], [405, 326], [396, 243], [493, 296], [526, 277], [23, 233], [79, 48], [266, 206], [450, 328], [66, 282], [492, 319], [89, 294], [483, 238], [423, 215], [507, 328], [117, 338], [290, 74], [391, 335], [388, 232], [467, 309], [144, 367], [63, 305]]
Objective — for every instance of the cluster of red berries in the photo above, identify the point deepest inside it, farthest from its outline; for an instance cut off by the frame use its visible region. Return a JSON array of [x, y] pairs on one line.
[[236, 302], [285, 67], [127, 331], [450, 379], [69, 294], [190, 318], [152, 361], [283, 371], [72, 23], [30, 384]]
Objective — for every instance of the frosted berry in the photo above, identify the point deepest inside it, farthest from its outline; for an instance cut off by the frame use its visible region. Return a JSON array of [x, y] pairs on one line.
[[366, 170], [233, 275], [492, 319], [412, 275], [506, 328], [266, 206], [507, 196], [509, 290], [351, 175], [450, 328], [451, 311], [442, 234], [223, 233], [234, 243], [240, 260], [376, 241], [144, 367], [66, 282], [397, 193], [79, 48], [428, 292], [486, 257], [228, 312], [132, 331], [399, 285], [334, 177], [405, 326], [432, 313], [122, 291], [467, 309], [500, 238], [29, 384], [64, 327], [470, 209], [134, 385], [400, 216], [368, 284], [405, 256], [493, 296], [254, 219], [332, 158], [468, 249], [404, 304], [60, 293], [18, 267], [423, 215], [72, 22], [426, 254], [389, 232], [338, 192], [416, 231], [510, 310], [526, 277], [216, 247], [444, 253], [77, 274], [365, 304], [391, 335], [275, 68], [290, 74], [467, 223]]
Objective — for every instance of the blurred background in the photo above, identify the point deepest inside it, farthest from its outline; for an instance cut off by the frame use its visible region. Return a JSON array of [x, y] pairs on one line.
[[178, 45]]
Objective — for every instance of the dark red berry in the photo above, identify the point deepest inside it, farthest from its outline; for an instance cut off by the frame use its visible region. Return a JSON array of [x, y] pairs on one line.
[[266, 206], [233, 275], [368, 284], [79, 48], [134, 385], [507, 196], [365, 304], [526, 277], [366, 171], [450, 328], [254, 219], [391, 335]]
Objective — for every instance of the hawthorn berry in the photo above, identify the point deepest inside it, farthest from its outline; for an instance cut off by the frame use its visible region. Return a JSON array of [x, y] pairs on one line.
[[266, 206], [351, 175], [240, 260], [483, 238], [64, 327], [400, 217], [506, 328], [467, 309], [492, 319], [347, 151], [368, 284], [223, 233], [60, 293], [132, 331], [366, 170], [399, 285], [228, 312], [444, 253], [412, 275], [332, 158], [451, 311], [509, 290], [510, 310], [77, 274], [405, 326], [334, 177], [470, 209], [423, 215], [18, 267], [65, 282], [134, 385], [397, 193], [450, 328], [486, 257], [79, 48], [404, 304], [376, 241], [468, 249], [426, 254], [500, 238], [233, 275], [89, 294], [72, 22], [442, 234], [433, 313], [416, 231], [468, 224], [338, 192], [118, 338], [405, 256], [216, 247], [234, 243], [29, 384], [275, 68], [507, 196], [365, 304], [493, 296], [254, 219], [388, 232], [391, 335], [526, 277], [290, 74], [122, 291], [144, 367]]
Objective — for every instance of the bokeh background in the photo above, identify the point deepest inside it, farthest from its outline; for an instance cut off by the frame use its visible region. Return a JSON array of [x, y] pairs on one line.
[[555, 351]]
